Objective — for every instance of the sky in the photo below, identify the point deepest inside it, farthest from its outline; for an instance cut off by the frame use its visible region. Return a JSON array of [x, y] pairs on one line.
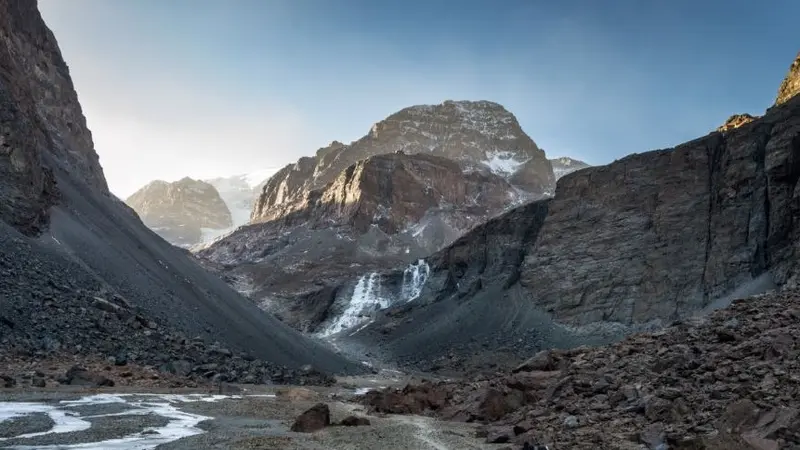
[[206, 88]]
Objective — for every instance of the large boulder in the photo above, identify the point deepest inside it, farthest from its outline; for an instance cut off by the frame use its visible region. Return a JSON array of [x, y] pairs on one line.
[[314, 419]]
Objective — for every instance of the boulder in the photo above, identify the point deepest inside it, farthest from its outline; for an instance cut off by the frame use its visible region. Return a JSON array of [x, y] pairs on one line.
[[354, 421], [78, 376], [314, 419]]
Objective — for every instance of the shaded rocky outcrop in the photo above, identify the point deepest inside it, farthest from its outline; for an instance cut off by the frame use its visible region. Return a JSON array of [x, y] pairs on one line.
[[37, 98], [791, 84], [181, 211], [478, 135], [385, 210], [724, 381], [640, 242], [566, 165], [90, 244]]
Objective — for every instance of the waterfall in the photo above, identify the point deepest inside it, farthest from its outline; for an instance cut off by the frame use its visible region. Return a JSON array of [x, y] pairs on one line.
[[366, 299], [414, 278]]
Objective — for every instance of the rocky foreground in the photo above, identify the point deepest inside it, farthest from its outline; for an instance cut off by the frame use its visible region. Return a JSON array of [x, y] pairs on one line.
[[55, 316], [730, 380]]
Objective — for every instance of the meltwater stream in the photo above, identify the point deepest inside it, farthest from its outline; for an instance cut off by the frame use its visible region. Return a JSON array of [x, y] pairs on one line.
[[370, 296], [66, 420]]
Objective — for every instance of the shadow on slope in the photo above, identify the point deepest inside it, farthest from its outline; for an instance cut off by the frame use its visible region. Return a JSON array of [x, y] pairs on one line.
[[109, 240]]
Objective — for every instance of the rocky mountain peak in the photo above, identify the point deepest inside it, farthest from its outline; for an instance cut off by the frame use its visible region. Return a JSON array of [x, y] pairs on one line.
[[478, 135], [791, 84], [566, 165], [181, 211]]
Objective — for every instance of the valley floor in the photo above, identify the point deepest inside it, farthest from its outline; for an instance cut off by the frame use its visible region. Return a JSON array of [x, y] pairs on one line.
[[258, 418]]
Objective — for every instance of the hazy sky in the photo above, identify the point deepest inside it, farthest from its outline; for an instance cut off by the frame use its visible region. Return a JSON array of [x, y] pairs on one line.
[[216, 87]]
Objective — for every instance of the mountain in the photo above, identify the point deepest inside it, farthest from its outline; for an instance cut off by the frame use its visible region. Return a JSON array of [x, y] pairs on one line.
[[185, 212], [82, 276], [646, 240], [566, 165], [478, 135], [420, 179], [383, 210]]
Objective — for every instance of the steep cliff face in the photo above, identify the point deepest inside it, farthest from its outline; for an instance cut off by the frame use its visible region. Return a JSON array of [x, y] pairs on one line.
[[39, 116], [184, 213], [791, 84], [475, 134], [385, 210], [395, 191], [83, 243], [707, 217], [643, 241]]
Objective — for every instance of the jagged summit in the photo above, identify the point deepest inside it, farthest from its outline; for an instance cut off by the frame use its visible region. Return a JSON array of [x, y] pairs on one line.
[[479, 135], [791, 84]]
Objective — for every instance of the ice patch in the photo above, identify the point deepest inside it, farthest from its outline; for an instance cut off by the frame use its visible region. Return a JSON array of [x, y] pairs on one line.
[[502, 162], [181, 424]]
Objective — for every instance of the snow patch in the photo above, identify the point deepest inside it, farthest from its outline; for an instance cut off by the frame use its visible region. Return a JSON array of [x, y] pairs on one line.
[[502, 162]]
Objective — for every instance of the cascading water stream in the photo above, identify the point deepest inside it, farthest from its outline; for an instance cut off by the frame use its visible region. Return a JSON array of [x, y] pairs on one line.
[[414, 278], [368, 297]]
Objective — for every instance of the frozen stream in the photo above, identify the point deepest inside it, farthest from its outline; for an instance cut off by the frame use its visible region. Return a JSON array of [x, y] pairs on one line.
[[180, 424]]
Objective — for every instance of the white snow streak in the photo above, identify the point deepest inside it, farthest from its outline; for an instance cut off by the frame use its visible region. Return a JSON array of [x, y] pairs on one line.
[[181, 424]]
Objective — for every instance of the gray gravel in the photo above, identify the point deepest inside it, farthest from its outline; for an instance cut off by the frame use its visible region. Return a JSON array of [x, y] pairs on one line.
[[33, 423], [258, 422], [103, 428]]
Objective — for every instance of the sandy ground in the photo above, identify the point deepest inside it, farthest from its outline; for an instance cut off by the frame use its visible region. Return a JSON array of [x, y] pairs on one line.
[[255, 419]]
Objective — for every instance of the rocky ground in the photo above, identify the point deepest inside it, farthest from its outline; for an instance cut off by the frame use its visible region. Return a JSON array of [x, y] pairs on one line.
[[53, 314], [730, 380], [261, 418]]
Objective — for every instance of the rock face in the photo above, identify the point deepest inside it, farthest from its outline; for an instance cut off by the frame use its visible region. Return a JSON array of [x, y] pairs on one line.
[[36, 99], [382, 211], [566, 165], [475, 134], [90, 244], [735, 121], [791, 84], [640, 242], [721, 382], [182, 211], [420, 179]]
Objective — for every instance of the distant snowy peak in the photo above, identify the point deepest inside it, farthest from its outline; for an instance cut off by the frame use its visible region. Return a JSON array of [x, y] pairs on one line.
[[566, 165], [240, 191]]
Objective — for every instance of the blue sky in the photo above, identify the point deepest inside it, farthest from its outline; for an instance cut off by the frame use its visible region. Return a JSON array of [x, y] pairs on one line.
[[203, 88]]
